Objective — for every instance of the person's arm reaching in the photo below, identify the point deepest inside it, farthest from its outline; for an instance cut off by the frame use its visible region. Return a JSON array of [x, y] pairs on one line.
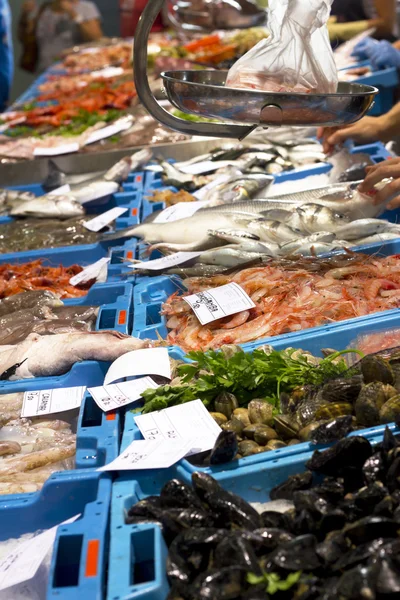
[[375, 174], [365, 131], [386, 17]]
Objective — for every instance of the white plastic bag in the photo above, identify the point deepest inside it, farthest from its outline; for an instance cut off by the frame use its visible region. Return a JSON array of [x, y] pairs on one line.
[[297, 57]]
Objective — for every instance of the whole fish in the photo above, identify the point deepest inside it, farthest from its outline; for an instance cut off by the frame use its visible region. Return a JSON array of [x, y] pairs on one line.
[[309, 218], [45, 356], [50, 207], [228, 256], [302, 244], [273, 231], [172, 176], [377, 237], [237, 189], [8, 197], [362, 228]]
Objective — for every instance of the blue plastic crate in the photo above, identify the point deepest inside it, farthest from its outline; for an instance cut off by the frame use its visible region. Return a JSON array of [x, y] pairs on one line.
[[79, 561], [138, 552]]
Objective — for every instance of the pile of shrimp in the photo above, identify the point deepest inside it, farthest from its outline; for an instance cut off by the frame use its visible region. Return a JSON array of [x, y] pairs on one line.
[[290, 295], [15, 279], [371, 343]]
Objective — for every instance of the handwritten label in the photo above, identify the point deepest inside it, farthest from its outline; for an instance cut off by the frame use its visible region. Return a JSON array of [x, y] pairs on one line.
[[148, 361], [111, 397], [182, 210], [94, 271], [165, 262], [46, 402], [24, 561], [219, 302], [185, 421], [56, 150], [149, 454], [105, 219]]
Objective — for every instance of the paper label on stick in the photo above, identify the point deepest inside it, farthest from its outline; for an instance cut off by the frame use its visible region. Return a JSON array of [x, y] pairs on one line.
[[94, 271], [109, 130], [111, 397], [105, 219], [165, 262], [56, 150], [149, 454], [23, 562], [182, 210], [185, 421], [47, 402], [219, 302], [148, 361]]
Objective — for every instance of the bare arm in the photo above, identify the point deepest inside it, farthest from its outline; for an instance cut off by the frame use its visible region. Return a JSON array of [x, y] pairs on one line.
[[386, 11], [91, 30]]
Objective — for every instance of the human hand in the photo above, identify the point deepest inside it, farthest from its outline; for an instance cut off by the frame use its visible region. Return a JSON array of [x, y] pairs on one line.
[[391, 191], [368, 129], [361, 49], [383, 55]]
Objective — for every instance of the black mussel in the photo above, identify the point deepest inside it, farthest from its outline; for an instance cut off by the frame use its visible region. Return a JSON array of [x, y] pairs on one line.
[[333, 520], [367, 497], [352, 450], [255, 592], [332, 430], [175, 493], [333, 547], [219, 584], [331, 488], [225, 448], [387, 582], [304, 522], [180, 592], [271, 538], [228, 508], [389, 441], [274, 519], [178, 570], [189, 553], [374, 468], [144, 508], [376, 368], [353, 478], [236, 550], [309, 500], [357, 555], [190, 517], [284, 491], [298, 554], [393, 475], [356, 584], [385, 508], [310, 588], [341, 389], [369, 528]]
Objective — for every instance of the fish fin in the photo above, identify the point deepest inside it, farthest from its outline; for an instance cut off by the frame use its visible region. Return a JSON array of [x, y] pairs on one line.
[[55, 177], [277, 214], [120, 234]]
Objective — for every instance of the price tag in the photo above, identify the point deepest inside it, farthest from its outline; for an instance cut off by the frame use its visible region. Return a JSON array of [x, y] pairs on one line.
[[100, 134], [205, 166], [105, 219], [185, 421], [64, 189], [165, 262], [149, 361], [56, 150], [94, 271], [149, 454], [219, 302], [111, 397], [24, 561], [182, 210], [46, 402]]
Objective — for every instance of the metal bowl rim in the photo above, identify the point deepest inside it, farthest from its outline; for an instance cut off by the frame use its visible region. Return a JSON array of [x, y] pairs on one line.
[[167, 76]]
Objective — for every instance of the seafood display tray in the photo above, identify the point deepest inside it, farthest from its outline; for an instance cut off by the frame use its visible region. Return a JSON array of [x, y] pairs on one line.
[[83, 255], [115, 313], [153, 181], [79, 559], [138, 552], [386, 80]]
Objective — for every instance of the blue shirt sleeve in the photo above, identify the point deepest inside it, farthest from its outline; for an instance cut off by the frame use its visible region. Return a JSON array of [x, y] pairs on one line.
[[6, 53]]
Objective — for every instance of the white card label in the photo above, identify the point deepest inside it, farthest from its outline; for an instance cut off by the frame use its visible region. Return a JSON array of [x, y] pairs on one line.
[[182, 210], [22, 564], [56, 150], [94, 271], [149, 361], [108, 72], [64, 189], [205, 166], [47, 402], [185, 421], [105, 219], [219, 302], [149, 454], [111, 397], [165, 262], [100, 134]]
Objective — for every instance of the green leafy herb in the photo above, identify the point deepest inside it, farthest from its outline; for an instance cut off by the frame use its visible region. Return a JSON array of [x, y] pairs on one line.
[[246, 375], [273, 581]]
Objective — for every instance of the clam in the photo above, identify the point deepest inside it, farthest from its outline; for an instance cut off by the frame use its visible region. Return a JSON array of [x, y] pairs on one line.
[[286, 427], [376, 368], [263, 434], [260, 411], [242, 415], [225, 403], [390, 411], [249, 431], [333, 410], [248, 447], [275, 445], [293, 442], [219, 417], [306, 432], [369, 402]]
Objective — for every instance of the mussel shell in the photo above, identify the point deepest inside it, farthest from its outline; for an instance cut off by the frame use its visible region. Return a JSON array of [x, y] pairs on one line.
[[276, 520], [332, 410], [306, 432], [236, 550], [358, 554], [352, 450], [285, 490], [177, 494], [354, 580], [369, 528], [390, 411], [368, 404], [225, 448], [341, 390], [374, 468], [219, 584], [376, 368], [297, 555], [333, 547], [332, 431]]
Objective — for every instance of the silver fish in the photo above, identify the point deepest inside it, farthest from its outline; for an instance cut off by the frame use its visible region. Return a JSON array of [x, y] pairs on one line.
[[298, 246], [366, 227], [377, 237], [309, 218], [238, 188], [273, 231], [243, 239], [56, 207], [228, 256]]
